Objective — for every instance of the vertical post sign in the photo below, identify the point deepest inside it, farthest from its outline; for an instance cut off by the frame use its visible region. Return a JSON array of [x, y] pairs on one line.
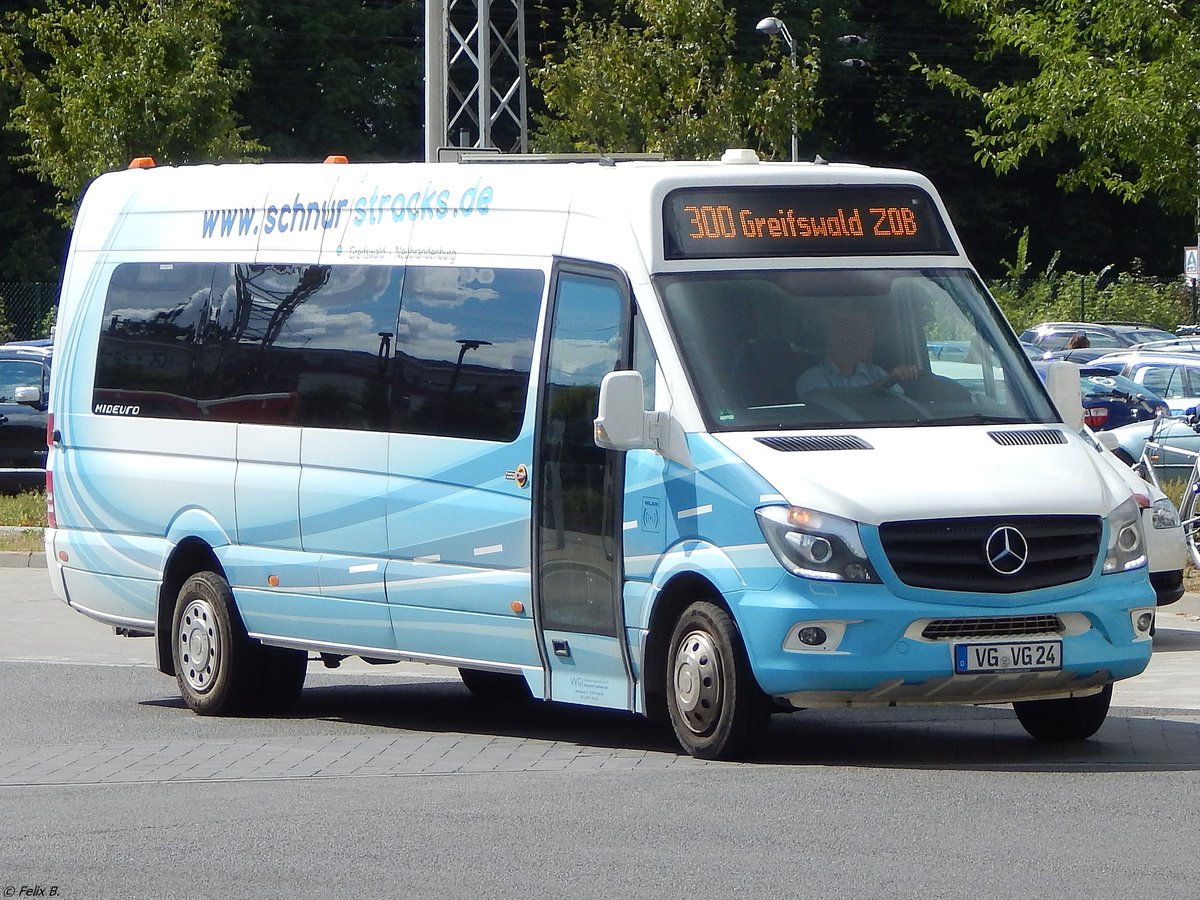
[[1191, 273]]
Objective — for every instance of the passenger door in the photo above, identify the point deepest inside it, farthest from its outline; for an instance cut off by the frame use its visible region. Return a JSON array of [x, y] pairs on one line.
[[577, 531]]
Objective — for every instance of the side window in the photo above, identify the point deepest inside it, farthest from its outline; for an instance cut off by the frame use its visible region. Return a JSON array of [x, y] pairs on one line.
[[1191, 381], [153, 314], [16, 373], [1163, 380], [645, 360], [305, 344], [1101, 339], [430, 350], [463, 351]]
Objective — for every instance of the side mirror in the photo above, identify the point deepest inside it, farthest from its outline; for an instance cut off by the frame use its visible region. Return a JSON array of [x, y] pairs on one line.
[[1062, 381], [621, 419], [30, 395], [622, 423]]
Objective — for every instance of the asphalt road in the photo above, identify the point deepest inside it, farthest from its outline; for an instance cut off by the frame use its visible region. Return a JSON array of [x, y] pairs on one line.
[[394, 781]]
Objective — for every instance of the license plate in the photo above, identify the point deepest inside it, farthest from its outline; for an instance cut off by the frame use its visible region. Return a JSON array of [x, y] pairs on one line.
[[1023, 656]]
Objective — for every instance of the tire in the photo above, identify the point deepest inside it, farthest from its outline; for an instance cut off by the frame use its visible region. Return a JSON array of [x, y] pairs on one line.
[[283, 673], [1072, 719], [495, 687], [716, 708], [217, 666], [1191, 527]]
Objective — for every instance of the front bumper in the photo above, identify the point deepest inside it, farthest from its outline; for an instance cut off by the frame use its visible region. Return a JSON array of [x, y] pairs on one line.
[[882, 657]]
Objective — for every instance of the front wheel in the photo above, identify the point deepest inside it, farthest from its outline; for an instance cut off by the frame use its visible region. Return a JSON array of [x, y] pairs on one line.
[[716, 708], [1071, 719], [217, 666]]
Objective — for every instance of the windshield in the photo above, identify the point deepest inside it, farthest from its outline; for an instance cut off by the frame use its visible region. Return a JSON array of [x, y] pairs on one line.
[[797, 349]]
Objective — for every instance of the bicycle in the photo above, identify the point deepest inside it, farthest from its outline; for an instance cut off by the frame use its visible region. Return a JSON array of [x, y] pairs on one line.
[[1189, 501]]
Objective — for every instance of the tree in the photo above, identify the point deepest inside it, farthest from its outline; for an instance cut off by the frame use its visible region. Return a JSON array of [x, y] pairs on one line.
[[331, 76], [1114, 78], [121, 79], [662, 75]]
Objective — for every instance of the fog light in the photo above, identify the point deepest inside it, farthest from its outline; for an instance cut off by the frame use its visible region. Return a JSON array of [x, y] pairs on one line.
[[812, 636], [1142, 621]]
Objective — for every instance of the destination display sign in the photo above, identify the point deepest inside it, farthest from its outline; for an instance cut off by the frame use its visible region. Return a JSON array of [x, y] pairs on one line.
[[825, 220]]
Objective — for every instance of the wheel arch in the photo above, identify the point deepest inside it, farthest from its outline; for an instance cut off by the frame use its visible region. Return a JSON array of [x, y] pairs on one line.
[[676, 595], [189, 556]]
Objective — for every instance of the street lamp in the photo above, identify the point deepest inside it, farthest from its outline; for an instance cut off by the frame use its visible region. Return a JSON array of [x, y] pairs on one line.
[[773, 25]]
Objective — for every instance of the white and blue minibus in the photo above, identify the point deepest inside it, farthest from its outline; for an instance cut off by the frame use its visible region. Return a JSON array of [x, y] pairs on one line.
[[677, 438]]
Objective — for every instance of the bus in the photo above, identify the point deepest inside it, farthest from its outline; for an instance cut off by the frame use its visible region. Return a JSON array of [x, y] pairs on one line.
[[665, 437]]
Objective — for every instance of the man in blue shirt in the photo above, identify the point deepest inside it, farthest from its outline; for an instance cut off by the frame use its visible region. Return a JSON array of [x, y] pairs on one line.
[[849, 345]]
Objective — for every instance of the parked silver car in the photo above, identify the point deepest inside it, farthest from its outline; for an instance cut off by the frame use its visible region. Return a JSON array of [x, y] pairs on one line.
[[1174, 376]]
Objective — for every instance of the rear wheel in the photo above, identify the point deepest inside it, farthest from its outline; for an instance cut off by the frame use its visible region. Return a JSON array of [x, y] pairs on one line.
[[217, 666], [1071, 719], [716, 708]]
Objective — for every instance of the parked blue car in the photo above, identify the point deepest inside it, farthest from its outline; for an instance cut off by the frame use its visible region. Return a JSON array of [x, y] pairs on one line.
[[1111, 400]]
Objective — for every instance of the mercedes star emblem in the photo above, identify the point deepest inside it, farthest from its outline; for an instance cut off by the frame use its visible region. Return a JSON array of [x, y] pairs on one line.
[[1007, 550]]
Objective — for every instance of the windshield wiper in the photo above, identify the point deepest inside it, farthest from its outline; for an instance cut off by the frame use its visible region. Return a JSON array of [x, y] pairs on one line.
[[980, 419]]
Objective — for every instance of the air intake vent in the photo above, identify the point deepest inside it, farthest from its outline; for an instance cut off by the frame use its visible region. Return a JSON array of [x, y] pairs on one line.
[[816, 442], [1030, 438], [992, 627]]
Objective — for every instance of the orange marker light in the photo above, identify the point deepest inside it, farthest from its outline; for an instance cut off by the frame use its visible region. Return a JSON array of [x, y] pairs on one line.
[[336, 158], [517, 606], [142, 162], [273, 580], [63, 557]]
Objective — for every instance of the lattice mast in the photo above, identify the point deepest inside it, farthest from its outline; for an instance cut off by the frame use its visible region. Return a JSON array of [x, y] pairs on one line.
[[475, 94]]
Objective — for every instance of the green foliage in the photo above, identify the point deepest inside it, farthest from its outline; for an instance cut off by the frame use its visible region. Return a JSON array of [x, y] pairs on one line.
[[1053, 296], [669, 83], [331, 76], [47, 324], [101, 83], [25, 509], [6, 330], [1116, 79]]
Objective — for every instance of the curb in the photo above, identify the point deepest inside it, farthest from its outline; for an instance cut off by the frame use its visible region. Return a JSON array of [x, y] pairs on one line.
[[22, 560]]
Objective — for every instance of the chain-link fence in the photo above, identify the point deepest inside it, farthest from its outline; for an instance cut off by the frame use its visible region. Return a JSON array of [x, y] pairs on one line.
[[27, 310]]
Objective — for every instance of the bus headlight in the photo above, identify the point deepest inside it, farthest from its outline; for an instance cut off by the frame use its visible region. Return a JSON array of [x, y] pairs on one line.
[[815, 545], [1126, 543]]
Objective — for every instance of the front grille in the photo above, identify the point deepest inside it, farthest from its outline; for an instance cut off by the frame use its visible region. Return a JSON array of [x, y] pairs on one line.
[[816, 442], [992, 627], [951, 554]]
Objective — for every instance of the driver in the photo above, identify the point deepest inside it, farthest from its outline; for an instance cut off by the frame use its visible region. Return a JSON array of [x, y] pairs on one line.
[[849, 345]]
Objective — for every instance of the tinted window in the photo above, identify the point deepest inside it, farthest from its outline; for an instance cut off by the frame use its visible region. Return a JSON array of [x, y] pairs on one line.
[[463, 351], [152, 317], [429, 350]]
